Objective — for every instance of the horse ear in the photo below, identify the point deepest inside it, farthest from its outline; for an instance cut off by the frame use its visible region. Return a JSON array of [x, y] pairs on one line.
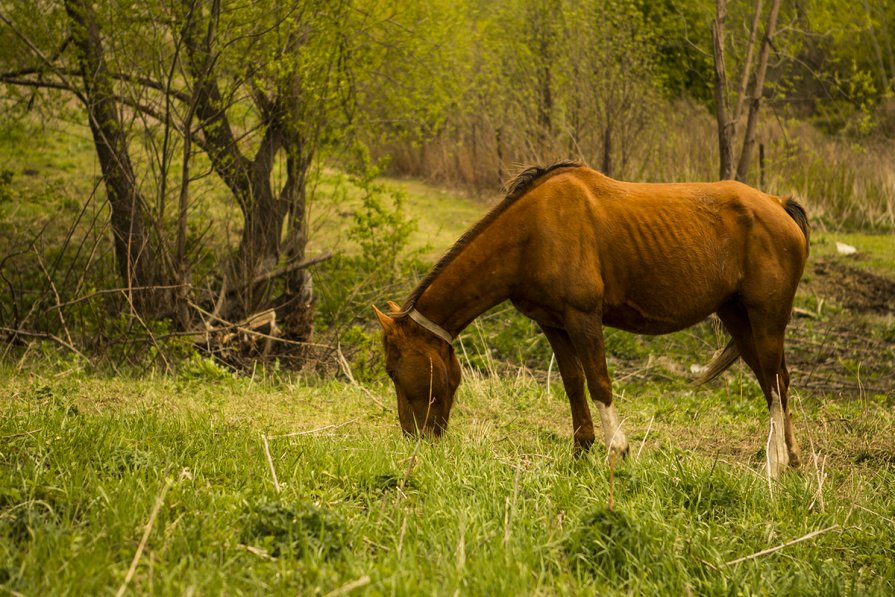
[[394, 306], [384, 320]]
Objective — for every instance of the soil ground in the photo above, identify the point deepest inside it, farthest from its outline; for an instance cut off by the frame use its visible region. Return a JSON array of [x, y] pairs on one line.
[[846, 343]]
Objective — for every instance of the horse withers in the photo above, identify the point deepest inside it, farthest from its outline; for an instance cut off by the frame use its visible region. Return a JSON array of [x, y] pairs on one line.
[[575, 250]]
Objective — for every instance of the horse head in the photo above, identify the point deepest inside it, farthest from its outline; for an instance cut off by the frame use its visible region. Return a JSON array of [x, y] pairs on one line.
[[424, 369]]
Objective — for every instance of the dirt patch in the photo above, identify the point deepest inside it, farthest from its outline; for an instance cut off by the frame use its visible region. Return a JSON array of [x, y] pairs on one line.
[[851, 353], [855, 289]]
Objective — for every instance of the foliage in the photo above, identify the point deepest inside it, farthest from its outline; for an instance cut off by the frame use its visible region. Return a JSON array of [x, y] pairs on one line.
[[294, 530]]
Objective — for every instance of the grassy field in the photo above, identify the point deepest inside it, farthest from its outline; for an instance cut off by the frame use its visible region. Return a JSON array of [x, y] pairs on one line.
[[212, 482], [209, 482], [499, 506]]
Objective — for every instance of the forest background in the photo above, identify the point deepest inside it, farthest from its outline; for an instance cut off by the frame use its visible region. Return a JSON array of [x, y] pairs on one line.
[[231, 204]]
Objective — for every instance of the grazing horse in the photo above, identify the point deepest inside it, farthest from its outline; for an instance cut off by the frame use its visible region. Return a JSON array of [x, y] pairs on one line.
[[575, 250]]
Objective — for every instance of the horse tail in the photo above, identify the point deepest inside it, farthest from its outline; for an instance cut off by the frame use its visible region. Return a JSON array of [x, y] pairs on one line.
[[795, 211], [719, 364]]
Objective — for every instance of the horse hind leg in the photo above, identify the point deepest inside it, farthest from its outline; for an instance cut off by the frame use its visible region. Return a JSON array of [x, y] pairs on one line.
[[761, 347]]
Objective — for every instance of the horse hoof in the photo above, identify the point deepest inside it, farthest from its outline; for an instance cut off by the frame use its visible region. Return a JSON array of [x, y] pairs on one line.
[[582, 446], [620, 452]]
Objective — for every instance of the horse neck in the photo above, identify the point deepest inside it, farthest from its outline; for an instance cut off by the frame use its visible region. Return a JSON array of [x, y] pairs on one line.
[[478, 278]]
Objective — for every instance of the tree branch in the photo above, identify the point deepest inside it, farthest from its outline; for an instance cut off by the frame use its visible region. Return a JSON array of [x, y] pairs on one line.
[[13, 80]]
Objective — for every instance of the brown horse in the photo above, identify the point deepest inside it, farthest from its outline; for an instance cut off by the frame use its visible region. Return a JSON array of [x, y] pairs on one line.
[[575, 250]]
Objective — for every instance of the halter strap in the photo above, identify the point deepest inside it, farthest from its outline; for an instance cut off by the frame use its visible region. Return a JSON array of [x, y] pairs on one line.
[[430, 325]]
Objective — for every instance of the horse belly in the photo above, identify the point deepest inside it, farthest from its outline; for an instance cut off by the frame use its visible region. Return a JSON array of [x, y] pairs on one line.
[[665, 303], [632, 318]]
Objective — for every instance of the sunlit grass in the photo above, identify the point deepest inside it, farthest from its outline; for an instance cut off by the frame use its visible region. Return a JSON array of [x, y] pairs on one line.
[[499, 506]]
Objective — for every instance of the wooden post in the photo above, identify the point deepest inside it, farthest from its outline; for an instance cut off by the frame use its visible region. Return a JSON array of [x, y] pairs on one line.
[[761, 186]]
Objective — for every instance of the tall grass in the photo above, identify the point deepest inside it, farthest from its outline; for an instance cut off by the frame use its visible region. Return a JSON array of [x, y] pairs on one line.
[[845, 183]]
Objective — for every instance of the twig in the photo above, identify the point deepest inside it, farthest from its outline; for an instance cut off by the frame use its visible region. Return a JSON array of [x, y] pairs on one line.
[[286, 269], [159, 500], [771, 550], [343, 363], [49, 278], [97, 293], [129, 295], [646, 435], [345, 589], [886, 518], [511, 509], [317, 430], [23, 433], [273, 471], [229, 325], [45, 336]]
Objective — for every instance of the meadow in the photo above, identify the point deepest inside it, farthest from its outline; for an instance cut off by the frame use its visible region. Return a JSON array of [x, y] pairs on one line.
[[212, 481], [284, 485], [199, 202]]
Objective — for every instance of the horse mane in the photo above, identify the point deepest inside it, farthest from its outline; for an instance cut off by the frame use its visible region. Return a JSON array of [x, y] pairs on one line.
[[514, 188]]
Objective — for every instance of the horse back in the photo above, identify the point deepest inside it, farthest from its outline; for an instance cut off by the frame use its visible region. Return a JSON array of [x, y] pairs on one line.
[[660, 257]]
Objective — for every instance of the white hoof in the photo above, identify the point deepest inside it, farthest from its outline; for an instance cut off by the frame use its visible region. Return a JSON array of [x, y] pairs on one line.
[[616, 442], [777, 454]]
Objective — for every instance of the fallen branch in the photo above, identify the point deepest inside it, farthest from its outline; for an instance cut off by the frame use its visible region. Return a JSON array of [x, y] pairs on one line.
[[771, 550], [288, 268], [22, 434], [44, 335], [229, 325]]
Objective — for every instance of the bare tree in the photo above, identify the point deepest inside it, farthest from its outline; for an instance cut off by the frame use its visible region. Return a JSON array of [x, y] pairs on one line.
[[256, 88], [727, 121]]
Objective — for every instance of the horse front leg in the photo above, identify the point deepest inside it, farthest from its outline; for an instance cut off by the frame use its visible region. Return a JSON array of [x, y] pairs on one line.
[[586, 334], [573, 381]]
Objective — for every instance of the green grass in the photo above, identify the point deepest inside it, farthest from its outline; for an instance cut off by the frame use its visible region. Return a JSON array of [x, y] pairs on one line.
[[875, 251], [499, 506]]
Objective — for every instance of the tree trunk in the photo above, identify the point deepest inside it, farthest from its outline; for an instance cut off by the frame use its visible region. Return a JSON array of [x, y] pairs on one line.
[[757, 91], [265, 212], [295, 307], [722, 113], [139, 263]]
